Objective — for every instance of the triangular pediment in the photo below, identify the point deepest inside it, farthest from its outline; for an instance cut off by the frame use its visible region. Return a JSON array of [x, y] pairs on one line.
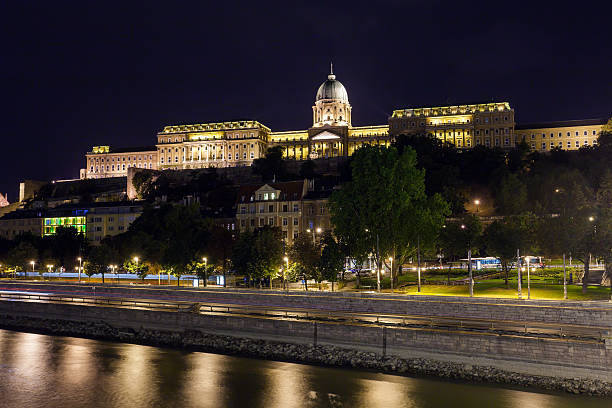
[[326, 135]]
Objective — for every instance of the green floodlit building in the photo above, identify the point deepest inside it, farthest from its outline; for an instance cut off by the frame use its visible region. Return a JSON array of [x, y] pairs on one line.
[[50, 225]]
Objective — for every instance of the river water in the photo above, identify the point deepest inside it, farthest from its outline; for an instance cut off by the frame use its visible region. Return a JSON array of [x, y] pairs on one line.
[[49, 371]]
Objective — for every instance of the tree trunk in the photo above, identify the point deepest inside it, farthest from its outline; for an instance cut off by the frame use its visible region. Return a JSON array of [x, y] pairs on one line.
[[205, 279], [585, 277], [357, 280], [102, 277], [270, 282], [178, 281], [332, 286], [448, 275], [305, 283]]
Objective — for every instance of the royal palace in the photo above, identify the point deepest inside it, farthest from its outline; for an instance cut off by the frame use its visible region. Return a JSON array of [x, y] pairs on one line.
[[238, 143]]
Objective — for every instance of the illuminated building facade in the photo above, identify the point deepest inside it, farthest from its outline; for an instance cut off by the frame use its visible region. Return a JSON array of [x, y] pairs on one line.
[[110, 220], [239, 143], [103, 162], [465, 126], [75, 218], [565, 135], [291, 206]]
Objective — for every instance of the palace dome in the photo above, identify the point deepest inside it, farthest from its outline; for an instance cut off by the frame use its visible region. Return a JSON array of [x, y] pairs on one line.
[[332, 89]]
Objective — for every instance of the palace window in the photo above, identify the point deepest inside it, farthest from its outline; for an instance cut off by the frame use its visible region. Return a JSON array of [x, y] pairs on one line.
[[543, 145], [577, 144], [296, 221]]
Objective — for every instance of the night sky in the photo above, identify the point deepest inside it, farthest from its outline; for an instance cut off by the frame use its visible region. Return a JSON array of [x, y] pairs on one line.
[[82, 73]]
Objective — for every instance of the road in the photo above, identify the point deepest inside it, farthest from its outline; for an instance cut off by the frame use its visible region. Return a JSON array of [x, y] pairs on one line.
[[251, 306]]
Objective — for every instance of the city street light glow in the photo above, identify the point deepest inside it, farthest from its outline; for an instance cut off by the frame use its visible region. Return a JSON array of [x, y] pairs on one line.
[[591, 218]]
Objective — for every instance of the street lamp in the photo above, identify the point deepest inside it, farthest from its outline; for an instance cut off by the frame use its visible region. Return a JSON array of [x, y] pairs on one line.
[[477, 203], [205, 259], [80, 267], [391, 272], [528, 258], [470, 275], [49, 267], [285, 285], [32, 262]]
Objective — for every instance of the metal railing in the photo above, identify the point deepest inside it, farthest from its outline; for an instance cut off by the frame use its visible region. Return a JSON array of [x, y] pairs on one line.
[[507, 327]]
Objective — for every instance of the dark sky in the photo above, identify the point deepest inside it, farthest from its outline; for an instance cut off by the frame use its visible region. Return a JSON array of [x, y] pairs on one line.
[[81, 73]]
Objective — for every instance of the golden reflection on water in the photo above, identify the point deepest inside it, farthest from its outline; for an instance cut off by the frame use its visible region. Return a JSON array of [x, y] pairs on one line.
[[64, 372], [76, 363], [384, 393], [203, 384], [288, 381]]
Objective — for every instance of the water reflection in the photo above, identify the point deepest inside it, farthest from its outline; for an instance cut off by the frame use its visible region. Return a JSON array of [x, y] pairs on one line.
[[48, 371]]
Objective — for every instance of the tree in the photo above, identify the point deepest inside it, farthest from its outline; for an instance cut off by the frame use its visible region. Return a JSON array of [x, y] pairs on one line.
[[99, 259], [140, 269], [272, 166], [307, 257], [258, 254], [143, 183], [384, 208], [456, 238], [332, 259], [21, 255], [503, 237], [511, 195], [219, 249]]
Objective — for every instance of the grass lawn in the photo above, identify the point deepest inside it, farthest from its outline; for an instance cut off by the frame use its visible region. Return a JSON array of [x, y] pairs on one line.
[[497, 288]]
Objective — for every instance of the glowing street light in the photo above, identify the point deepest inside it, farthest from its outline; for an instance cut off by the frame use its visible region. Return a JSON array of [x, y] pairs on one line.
[[285, 284], [477, 203], [80, 267], [50, 268], [391, 272], [32, 263]]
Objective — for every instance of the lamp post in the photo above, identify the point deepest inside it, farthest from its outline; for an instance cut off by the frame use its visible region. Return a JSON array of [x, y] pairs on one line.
[[391, 272], [50, 268], [564, 280], [477, 203], [527, 258], [80, 267], [205, 259], [470, 274], [32, 262], [285, 285], [518, 272]]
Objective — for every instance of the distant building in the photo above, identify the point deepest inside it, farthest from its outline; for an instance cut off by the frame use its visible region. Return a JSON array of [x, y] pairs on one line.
[[95, 220], [465, 126], [290, 206], [238, 143], [104, 162], [565, 135], [21, 222], [110, 219]]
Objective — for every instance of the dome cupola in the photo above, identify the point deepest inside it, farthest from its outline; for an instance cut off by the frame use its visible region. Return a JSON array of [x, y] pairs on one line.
[[332, 89], [331, 104]]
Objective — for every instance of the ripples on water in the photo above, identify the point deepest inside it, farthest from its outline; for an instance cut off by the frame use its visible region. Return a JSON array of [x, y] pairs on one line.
[[48, 371]]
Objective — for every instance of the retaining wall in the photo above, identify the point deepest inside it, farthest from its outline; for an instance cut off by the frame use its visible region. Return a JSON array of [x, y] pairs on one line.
[[566, 358]]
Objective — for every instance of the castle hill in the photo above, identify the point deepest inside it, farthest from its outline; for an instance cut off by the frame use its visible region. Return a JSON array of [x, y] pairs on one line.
[[213, 215]]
